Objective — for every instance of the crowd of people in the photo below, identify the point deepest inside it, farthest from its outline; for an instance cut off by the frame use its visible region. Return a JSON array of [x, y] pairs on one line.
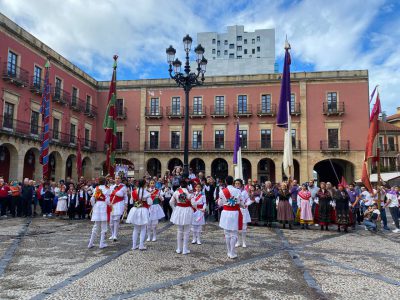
[[189, 202]]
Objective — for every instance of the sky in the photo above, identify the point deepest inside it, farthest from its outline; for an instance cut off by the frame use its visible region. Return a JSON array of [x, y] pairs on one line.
[[324, 35]]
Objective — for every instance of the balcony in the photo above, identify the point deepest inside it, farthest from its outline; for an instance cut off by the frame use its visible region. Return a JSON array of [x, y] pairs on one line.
[[153, 112], [77, 104], [122, 147], [242, 111], [175, 112], [121, 113], [219, 111], [330, 109], [61, 96], [89, 145], [227, 146], [389, 149], [295, 109], [335, 146], [15, 75], [90, 110], [197, 112], [17, 128], [264, 111], [36, 86]]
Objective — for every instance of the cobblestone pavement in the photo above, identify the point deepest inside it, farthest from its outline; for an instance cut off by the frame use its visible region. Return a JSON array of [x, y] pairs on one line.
[[48, 259]]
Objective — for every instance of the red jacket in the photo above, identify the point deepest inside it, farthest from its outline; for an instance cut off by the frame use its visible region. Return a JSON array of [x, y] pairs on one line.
[[4, 189]]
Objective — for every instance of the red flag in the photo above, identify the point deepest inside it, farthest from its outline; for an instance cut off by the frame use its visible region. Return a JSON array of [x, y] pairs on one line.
[[371, 149], [343, 182], [79, 156]]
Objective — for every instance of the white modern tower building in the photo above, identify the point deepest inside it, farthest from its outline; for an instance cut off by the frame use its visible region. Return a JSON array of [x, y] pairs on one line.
[[238, 52]]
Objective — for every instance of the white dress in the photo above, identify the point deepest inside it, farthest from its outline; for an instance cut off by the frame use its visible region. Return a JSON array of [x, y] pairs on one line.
[[140, 215], [156, 212], [181, 215], [198, 215], [62, 204], [230, 219], [99, 212], [119, 207], [245, 211]]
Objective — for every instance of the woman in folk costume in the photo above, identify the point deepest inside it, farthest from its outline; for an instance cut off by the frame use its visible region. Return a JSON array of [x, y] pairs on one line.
[[182, 215], [284, 207], [62, 206], [199, 204], [325, 207], [342, 199], [303, 198], [100, 202], [156, 211], [139, 214], [230, 198], [268, 204], [245, 211], [119, 203]]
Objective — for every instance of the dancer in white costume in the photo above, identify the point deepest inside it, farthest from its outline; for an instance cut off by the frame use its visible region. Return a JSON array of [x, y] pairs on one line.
[[156, 211], [245, 212], [139, 214], [199, 204], [182, 216], [231, 216], [119, 202], [100, 201]]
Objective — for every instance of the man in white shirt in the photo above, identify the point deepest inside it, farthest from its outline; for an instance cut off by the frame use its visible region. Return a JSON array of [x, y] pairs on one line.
[[392, 202]]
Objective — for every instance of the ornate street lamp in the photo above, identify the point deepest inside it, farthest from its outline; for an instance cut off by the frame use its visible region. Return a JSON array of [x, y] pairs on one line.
[[186, 80]]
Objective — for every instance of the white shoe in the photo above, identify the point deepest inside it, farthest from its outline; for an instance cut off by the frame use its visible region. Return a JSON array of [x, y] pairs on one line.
[[233, 256], [135, 248], [366, 228], [148, 239], [194, 241], [237, 244], [244, 245], [111, 238], [143, 248], [44, 216], [185, 252], [316, 225], [392, 223], [178, 251], [198, 242], [90, 246], [103, 246], [154, 239], [396, 230]]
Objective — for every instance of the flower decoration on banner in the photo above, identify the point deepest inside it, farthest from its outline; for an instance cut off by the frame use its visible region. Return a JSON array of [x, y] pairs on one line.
[[232, 201]]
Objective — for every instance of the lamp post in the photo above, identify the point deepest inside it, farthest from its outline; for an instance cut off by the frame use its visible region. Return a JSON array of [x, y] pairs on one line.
[[186, 80]]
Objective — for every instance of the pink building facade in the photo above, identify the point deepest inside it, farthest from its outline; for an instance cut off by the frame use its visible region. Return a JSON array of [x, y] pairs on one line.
[[329, 114]]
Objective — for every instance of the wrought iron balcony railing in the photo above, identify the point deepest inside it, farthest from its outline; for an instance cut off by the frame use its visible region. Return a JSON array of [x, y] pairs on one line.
[[15, 74], [333, 108]]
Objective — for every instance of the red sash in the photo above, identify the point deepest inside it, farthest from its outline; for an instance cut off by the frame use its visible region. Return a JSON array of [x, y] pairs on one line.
[[199, 206], [154, 194], [135, 198], [181, 204], [228, 195], [114, 198]]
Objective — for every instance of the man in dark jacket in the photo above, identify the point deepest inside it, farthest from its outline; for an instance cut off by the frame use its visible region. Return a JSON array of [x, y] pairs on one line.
[[26, 197]]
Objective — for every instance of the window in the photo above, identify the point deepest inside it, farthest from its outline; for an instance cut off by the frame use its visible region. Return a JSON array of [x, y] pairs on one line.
[[213, 51], [155, 106], [37, 77], [12, 64], [56, 128], [266, 103], [8, 115], [87, 137], [57, 93], [120, 107], [218, 53], [197, 105], [219, 139], [332, 101], [175, 139], [213, 41], [226, 42], [292, 103], [258, 49], [333, 138], [35, 122], [242, 104], [231, 46], [154, 139], [258, 38], [253, 51], [88, 103], [243, 139], [245, 41], [197, 139], [231, 55], [218, 43], [293, 138], [219, 105], [381, 142], [266, 138], [239, 57], [119, 140], [239, 48], [176, 106], [253, 41], [225, 52], [391, 146], [72, 134], [239, 38], [74, 99], [245, 51]]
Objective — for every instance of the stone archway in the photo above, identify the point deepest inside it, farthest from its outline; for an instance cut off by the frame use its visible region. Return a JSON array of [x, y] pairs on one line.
[[173, 162], [32, 166], [55, 166], [332, 170], [295, 172], [219, 169], [246, 167], [87, 168], [9, 162], [266, 170], [70, 167], [153, 167], [197, 165]]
